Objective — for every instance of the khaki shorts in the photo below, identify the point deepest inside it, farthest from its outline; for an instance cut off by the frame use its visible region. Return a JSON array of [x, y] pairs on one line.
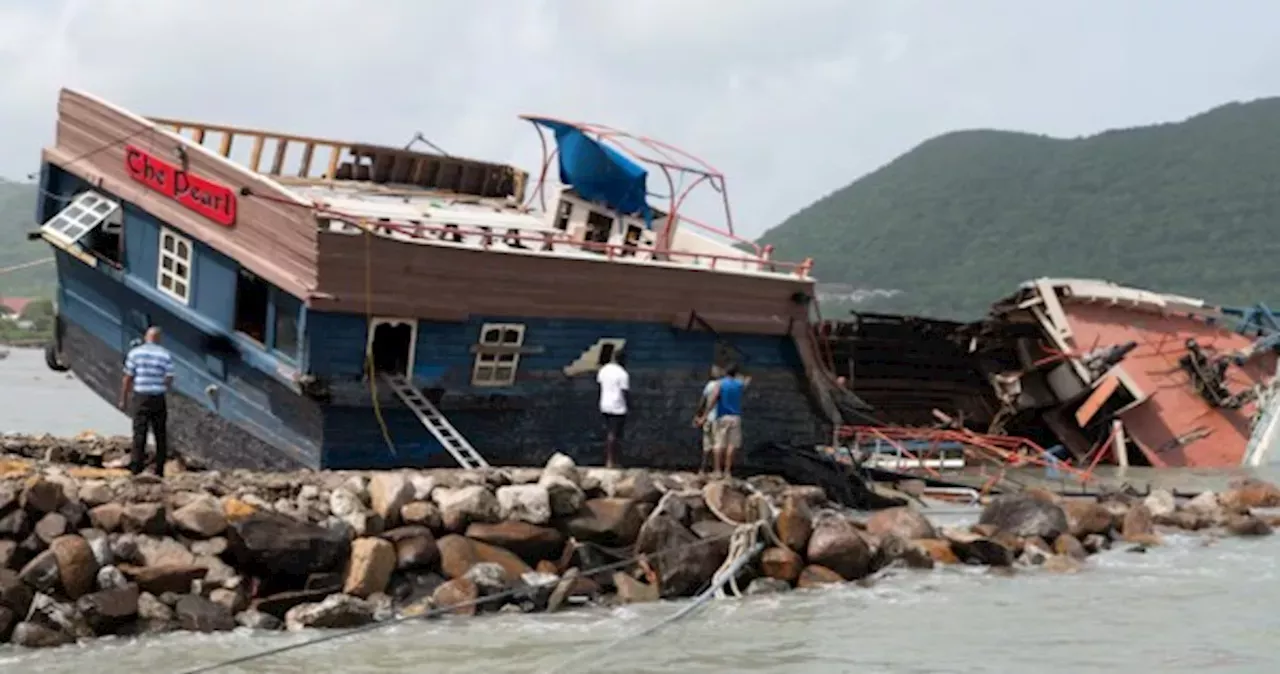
[[708, 435], [728, 432]]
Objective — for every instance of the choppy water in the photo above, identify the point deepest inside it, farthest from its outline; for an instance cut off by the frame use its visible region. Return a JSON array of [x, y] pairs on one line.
[[1184, 607]]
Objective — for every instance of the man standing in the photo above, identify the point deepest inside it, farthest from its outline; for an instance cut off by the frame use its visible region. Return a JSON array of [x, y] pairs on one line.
[[148, 373], [727, 399], [705, 417], [614, 384]]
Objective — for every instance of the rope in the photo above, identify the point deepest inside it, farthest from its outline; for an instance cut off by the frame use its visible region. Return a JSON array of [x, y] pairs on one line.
[[368, 350], [340, 634]]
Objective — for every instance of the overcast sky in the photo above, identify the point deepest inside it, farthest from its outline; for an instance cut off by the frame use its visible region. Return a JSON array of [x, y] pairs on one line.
[[791, 99]]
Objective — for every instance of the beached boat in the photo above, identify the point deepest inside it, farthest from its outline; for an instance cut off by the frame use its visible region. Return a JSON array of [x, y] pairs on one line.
[[284, 270]]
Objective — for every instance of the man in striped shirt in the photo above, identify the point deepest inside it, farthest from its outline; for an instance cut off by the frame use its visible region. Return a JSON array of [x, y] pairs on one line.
[[148, 373]]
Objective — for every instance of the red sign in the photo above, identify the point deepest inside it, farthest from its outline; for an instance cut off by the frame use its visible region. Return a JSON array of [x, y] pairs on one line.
[[213, 201]]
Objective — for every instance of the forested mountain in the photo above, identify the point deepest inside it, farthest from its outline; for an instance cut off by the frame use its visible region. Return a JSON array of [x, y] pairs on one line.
[[1190, 207]]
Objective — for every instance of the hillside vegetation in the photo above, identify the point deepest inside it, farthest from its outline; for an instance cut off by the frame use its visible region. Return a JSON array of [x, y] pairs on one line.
[[1191, 208], [17, 217]]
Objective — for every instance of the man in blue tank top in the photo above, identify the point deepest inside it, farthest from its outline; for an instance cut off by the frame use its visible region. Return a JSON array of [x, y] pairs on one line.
[[727, 403]]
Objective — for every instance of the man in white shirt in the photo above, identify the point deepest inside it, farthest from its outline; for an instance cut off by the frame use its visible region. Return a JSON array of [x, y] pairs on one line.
[[614, 384]]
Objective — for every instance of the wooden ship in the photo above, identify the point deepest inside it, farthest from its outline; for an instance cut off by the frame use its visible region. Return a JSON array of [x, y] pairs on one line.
[[335, 304]]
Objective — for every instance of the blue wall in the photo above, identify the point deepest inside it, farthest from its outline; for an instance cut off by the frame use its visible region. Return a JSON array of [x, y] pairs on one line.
[[545, 410], [117, 306]]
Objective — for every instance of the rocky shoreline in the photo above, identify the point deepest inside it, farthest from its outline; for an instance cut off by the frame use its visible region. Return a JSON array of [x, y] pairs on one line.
[[87, 550]]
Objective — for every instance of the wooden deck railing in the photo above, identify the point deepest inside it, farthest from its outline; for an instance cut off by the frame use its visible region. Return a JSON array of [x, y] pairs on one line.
[[308, 159], [547, 242]]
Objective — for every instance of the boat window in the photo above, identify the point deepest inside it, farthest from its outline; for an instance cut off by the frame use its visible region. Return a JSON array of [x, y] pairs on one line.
[[84, 214], [106, 241], [563, 213], [174, 275], [599, 227], [498, 354], [252, 295], [285, 337]]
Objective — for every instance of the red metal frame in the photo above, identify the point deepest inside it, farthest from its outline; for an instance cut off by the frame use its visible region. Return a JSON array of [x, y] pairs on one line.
[[671, 159]]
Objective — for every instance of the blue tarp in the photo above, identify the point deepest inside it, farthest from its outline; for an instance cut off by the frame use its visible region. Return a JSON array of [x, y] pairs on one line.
[[598, 172]]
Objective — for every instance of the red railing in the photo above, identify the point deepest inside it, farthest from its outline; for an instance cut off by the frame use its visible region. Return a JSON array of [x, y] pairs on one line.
[[546, 242]]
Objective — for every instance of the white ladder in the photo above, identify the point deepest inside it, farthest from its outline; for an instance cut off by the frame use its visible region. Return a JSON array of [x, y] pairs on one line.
[[434, 421]]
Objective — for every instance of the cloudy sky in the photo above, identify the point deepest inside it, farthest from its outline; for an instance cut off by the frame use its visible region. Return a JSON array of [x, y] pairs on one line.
[[791, 99]]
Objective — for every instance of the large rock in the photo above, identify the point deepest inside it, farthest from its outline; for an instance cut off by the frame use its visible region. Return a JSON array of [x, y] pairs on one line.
[[415, 547], [1139, 525], [457, 596], [14, 593], [41, 495], [525, 503], [36, 635], [77, 567], [267, 544], [157, 580], [1160, 502], [614, 522], [728, 500], [632, 591], [972, 548], [938, 550], [144, 518], [683, 567], [530, 542], [1246, 493], [562, 466], [422, 513], [41, 572], [816, 575], [107, 516], [201, 518], [197, 614], [1086, 517], [107, 610], [795, 522], [388, 493], [903, 522], [337, 611], [372, 562], [458, 554], [1025, 514], [465, 505], [837, 544], [782, 564], [51, 526], [564, 495], [639, 486], [1206, 509]]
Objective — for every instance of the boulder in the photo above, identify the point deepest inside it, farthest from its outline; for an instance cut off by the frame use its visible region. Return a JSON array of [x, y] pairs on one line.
[[415, 547], [816, 575], [155, 615], [1247, 525], [530, 542], [1160, 503], [458, 554], [110, 578], [77, 567], [1086, 516], [143, 518], [639, 486], [1025, 514], [782, 564], [41, 572], [51, 526], [337, 611], [613, 522], [41, 495], [94, 493], [683, 568], [564, 495], [202, 518], [972, 548], [1206, 511], [525, 503], [1070, 546], [560, 465], [14, 524], [267, 544], [632, 591], [1139, 525], [388, 493], [36, 635], [730, 501], [838, 545], [107, 610], [422, 513], [9, 556], [15, 594], [372, 562], [465, 505], [795, 522], [489, 577], [197, 614], [459, 594], [1246, 493], [766, 585], [164, 578], [107, 516], [938, 550], [257, 620], [903, 522]]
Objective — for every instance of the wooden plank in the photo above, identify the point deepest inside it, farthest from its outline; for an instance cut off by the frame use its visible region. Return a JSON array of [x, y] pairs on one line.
[[225, 148], [1096, 399], [277, 163], [255, 155], [308, 152]]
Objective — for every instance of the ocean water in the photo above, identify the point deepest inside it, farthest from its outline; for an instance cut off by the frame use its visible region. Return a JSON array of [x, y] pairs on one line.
[[1194, 604]]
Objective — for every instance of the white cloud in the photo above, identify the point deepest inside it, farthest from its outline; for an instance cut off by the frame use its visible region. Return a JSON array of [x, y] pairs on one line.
[[791, 99]]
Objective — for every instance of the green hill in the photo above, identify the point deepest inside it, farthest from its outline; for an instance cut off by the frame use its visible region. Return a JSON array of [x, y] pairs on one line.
[[1191, 207], [17, 217]]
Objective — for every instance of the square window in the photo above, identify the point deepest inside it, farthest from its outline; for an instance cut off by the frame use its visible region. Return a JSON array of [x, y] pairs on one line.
[[84, 214], [498, 355]]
